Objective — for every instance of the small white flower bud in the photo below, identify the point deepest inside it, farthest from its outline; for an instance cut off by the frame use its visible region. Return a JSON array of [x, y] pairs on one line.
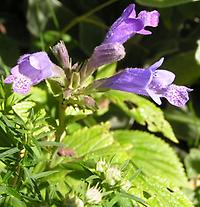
[[113, 175], [74, 202], [101, 166], [93, 195]]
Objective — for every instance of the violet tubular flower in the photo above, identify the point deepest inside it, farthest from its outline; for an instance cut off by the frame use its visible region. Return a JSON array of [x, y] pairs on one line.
[[30, 70], [149, 82], [126, 26]]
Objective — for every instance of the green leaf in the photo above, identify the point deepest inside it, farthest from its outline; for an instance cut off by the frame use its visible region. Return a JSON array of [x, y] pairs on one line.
[[158, 194], [38, 14], [43, 174], [163, 3], [9, 191], [22, 109], [106, 71], [192, 163], [143, 111], [88, 140], [153, 156], [9, 152]]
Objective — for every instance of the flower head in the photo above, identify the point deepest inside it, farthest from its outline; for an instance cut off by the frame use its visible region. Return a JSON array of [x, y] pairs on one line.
[[128, 24], [30, 70], [150, 82]]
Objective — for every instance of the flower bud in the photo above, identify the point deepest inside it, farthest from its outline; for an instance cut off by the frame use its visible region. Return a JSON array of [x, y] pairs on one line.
[[74, 202], [113, 175], [93, 195], [60, 51], [101, 166]]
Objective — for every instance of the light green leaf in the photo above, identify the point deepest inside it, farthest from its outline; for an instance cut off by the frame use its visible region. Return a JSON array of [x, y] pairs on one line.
[[106, 71], [163, 3], [88, 140], [22, 109], [143, 111], [153, 156], [157, 195], [43, 174]]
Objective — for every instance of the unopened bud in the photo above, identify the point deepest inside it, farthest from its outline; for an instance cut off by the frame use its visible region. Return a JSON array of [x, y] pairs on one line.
[[113, 175], [60, 51], [101, 166], [74, 202], [105, 54]]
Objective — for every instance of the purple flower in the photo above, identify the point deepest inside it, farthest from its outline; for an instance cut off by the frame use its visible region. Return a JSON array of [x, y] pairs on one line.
[[149, 82], [128, 25], [30, 70]]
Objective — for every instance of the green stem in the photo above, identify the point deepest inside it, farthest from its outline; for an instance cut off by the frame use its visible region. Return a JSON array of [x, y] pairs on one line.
[[80, 18], [61, 118]]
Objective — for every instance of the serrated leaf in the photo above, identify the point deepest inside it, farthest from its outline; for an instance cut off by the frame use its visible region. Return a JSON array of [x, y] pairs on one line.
[[143, 111], [88, 140], [153, 156], [158, 194]]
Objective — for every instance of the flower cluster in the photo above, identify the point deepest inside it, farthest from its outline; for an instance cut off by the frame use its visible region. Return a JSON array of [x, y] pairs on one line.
[[33, 68]]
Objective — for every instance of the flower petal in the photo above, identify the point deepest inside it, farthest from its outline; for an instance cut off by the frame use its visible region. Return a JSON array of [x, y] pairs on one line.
[[123, 31], [154, 96], [161, 80], [156, 65], [177, 95], [9, 79], [149, 19], [21, 85], [130, 80]]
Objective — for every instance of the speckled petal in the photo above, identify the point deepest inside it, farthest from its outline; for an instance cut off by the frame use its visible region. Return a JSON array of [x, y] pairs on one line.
[[21, 84], [177, 95], [9, 79]]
